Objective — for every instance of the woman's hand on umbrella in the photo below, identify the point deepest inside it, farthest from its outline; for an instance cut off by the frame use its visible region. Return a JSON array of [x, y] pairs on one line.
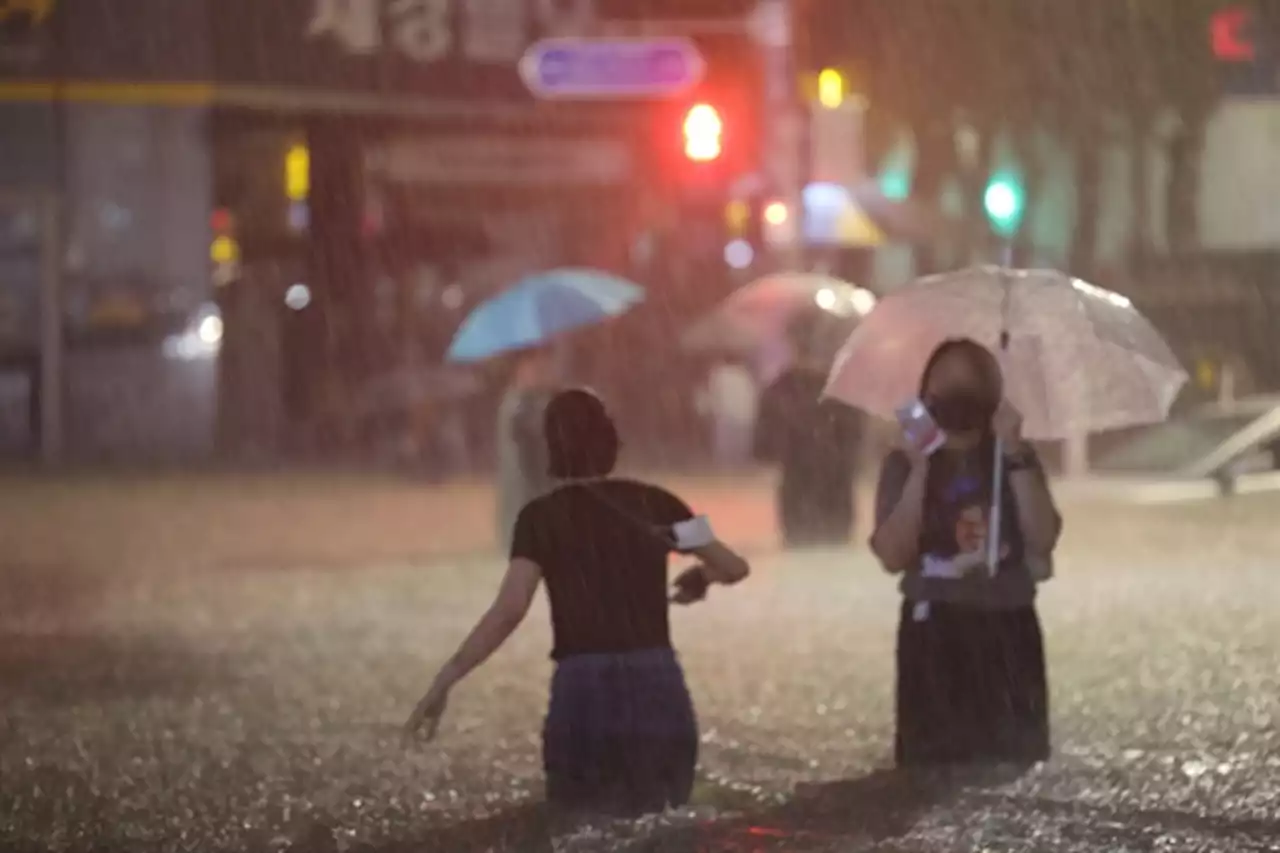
[[1007, 424]]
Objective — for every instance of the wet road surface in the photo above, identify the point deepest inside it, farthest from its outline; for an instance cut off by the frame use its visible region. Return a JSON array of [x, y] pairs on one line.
[[190, 706]]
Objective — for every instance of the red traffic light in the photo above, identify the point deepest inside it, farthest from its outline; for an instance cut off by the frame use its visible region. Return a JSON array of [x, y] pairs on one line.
[[703, 134], [221, 221]]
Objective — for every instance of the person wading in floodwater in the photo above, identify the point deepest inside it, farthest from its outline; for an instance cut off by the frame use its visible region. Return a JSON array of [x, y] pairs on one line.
[[620, 736], [971, 683], [815, 443], [522, 452]]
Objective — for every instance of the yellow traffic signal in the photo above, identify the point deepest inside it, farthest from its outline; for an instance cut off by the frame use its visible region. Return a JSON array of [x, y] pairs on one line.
[[297, 173], [224, 250], [831, 88], [736, 214]]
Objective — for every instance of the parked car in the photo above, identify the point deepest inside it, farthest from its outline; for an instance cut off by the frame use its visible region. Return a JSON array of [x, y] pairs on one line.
[[1210, 452]]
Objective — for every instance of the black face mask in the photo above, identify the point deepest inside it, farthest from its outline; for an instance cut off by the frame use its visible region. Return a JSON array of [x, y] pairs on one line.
[[962, 411]]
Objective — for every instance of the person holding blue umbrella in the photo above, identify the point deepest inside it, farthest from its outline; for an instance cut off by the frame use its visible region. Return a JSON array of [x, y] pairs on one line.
[[521, 445], [526, 320]]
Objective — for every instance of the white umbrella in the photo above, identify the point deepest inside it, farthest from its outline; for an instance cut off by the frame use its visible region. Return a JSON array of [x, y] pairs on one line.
[[1076, 358]]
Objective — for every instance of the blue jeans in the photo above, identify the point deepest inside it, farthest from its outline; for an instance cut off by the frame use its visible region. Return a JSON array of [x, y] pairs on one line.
[[620, 736]]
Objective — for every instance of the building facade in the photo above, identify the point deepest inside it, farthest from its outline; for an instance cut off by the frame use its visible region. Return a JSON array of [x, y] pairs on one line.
[[237, 206]]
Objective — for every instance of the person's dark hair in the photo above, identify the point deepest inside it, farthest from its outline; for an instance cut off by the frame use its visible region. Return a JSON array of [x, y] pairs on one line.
[[980, 358], [582, 440]]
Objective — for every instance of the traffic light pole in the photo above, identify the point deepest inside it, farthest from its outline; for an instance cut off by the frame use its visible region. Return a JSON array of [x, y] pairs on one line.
[[771, 26], [773, 29]]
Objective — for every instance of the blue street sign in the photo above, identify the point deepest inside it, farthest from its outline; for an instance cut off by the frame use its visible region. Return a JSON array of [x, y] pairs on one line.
[[611, 68]]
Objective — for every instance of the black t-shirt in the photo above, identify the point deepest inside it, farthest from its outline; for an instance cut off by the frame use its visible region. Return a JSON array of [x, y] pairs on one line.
[[813, 439], [602, 547]]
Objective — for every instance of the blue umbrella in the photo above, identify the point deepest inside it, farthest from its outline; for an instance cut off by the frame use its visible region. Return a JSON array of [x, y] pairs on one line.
[[540, 307]]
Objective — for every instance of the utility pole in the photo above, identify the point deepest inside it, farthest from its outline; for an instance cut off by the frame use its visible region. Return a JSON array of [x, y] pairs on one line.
[[51, 332], [53, 213]]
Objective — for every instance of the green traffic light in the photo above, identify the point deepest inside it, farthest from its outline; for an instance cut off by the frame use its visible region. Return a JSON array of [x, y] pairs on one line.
[[1004, 202], [895, 184]]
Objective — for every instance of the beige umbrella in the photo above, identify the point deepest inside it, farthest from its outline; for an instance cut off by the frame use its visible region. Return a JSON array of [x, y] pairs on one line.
[[762, 311]]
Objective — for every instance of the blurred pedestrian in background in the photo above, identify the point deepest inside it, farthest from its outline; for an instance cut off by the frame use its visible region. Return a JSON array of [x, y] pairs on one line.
[[729, 401], [522, 460], [620, 736], [815, 443], [971, 682]]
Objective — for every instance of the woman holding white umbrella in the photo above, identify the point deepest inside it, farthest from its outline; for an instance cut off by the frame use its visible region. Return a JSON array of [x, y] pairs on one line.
[[970, 524], [971, 668]]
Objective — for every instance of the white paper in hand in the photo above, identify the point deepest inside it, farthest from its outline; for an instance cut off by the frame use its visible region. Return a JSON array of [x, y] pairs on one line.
[[693, 533]]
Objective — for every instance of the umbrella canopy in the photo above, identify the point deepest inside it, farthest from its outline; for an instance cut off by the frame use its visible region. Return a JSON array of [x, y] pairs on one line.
[[761, 312], [1076, 358], [539, 308]]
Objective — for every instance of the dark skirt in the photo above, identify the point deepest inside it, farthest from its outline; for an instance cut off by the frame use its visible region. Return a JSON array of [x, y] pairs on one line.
[[620, 737], [971, 687]]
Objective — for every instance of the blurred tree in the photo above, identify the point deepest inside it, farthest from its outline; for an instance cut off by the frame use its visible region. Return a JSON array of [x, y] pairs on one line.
[[1126, 65], [986, 93], [1079, 87], [931, 69], [900, 44], [1187, 82], [957, 74], [1139, 107]]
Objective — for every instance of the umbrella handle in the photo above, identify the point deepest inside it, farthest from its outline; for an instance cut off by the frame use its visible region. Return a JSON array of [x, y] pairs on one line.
[[997, 489], [997, 502]]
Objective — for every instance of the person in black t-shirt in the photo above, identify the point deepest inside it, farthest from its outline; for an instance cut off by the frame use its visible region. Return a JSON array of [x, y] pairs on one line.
[[620, 736]]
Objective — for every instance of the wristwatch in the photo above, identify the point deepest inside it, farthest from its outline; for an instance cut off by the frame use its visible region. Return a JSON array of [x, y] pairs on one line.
[[1020, 459]]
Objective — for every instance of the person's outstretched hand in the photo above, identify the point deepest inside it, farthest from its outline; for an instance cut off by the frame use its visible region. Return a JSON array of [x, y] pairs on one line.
[[425, 719], [690, 586]]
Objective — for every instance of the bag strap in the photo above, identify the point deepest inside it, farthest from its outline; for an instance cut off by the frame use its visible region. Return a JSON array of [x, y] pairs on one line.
[[647, 527]]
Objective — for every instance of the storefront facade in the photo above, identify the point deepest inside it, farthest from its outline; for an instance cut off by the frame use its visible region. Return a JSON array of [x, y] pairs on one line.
[[149, 154]]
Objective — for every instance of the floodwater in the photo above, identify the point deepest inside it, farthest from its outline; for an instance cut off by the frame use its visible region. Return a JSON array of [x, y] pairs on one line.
[[206, 707]]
